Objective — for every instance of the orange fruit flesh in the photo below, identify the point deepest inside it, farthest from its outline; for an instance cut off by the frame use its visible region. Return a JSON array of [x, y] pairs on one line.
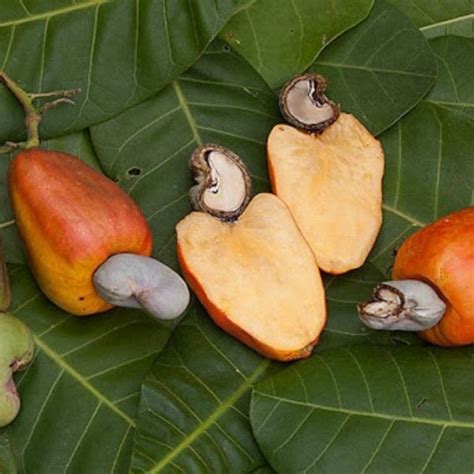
[[332, 183], [257, 277]]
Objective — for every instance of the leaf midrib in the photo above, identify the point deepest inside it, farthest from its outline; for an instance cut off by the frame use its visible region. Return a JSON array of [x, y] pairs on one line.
[[408, 419], [449, 21], [57, 12], [226, 405], [53, 355], [372, 69]]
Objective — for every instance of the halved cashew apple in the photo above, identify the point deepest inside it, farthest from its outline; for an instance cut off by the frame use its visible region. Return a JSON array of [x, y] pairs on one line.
[[249, 266], [328, 169], [332, 183]]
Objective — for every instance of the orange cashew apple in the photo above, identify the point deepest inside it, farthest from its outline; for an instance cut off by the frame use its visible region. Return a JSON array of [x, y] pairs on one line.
[[433, 284], [87, 242]]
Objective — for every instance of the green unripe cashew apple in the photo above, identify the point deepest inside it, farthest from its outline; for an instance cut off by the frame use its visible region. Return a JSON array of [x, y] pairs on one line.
[[16, 352]]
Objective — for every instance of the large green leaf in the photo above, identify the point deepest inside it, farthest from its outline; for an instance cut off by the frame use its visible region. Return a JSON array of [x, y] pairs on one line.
[[222, 100], [429, 173], [430, 170], [7, 457], [194, 406], [380, 69], [79, 396], [281, 37], [81, 393], [146, 150], [453, 88], [441, 17], [369, 409], [117, 51]]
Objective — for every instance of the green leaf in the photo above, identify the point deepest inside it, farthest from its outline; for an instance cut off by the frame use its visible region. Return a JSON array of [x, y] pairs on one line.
[[369, 409], [7, 457], [80, 395], [380, 69], [453, 17], [429, 167], [453, 89], [221, 99], [429, 173], [87, 373], [118, 52], [281, 38], [343, 326], [194, 404], [147, 149]]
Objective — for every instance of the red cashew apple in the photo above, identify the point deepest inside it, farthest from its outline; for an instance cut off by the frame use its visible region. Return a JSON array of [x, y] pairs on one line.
[[433, 284]]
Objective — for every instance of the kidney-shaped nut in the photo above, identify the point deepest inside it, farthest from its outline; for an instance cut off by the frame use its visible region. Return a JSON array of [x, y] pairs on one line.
[[136, 281], [223, 187], [304, 105], [402, 305], [16, 352]]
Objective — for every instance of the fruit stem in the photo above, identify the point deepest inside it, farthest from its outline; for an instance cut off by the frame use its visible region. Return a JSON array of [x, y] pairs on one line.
[[5, 292], [33, 114], [402, 305]]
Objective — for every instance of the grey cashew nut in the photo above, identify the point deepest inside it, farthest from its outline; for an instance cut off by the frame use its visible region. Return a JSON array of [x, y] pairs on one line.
[[135, 281], [16, 352], [402, 305]]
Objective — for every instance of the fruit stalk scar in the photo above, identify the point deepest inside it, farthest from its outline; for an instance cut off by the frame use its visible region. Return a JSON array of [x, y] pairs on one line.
[[402, 305]]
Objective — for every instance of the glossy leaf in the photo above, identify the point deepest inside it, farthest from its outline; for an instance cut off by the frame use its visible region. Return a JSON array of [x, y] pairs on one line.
[[194, 405], [81, 393], [118, 52], [281, 38], [380, 69], [79, 396], [7, 457], [453, 17], [453, 88], [220, 100], [369, 409], [429, 167]]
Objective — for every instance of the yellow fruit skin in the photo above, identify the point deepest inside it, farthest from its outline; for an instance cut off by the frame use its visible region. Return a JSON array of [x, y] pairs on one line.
[[332, 183], [71, 219]]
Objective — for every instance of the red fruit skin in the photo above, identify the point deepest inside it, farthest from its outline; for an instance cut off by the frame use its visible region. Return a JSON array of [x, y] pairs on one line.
[[71, 219], [442, 254]]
